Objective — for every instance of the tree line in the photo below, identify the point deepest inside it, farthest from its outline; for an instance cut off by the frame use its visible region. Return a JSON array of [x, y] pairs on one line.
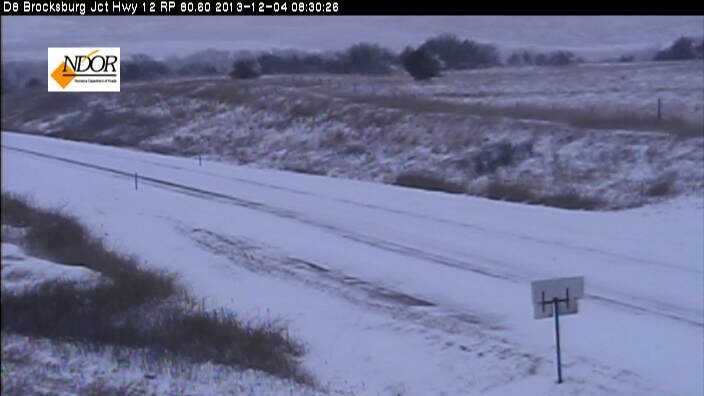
[[444, 52], [427, 60], [430, 59]]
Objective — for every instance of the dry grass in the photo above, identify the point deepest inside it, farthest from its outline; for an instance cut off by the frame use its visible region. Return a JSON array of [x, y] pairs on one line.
[[427, 181], [586, 118], [523, 193], [508, 192], [103, 388], [37, 105], [321, 125], [135, 307], [663, 186], [304, 168]]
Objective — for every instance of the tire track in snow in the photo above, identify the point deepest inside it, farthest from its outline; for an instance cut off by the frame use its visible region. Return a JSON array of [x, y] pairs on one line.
[[403, 308], [294, 266]]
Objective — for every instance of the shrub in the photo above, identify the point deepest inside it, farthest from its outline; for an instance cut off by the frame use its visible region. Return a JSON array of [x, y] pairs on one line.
[[571, 200], [492, 157], [143, 67], [421, 64], [560, 58], [295, 63], [522, 193], [361, 58], [496, 155], [221, 338], [682, 49], [662, 186], [305, 168], [503, 191], [555, 58], [515, 59], [699, 49], [245, 69], [461, 54], [427, 181], [659, 189], [59, 238], [16, 211], [366, 58]]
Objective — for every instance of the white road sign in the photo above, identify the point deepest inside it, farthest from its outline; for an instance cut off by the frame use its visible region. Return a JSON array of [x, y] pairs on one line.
[[565, 290]]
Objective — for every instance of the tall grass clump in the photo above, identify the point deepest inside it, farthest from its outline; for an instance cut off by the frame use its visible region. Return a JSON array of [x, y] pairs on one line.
[[132, 306], [427, 181], [522, 193]]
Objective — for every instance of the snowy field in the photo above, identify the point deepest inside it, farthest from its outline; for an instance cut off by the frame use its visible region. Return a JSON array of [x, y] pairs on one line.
[[588, 130], [37, 366], [33, 366], [395, 290], [621, 87]]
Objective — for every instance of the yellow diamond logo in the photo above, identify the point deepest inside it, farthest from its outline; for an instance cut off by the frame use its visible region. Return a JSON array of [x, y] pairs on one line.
[[59, 75]]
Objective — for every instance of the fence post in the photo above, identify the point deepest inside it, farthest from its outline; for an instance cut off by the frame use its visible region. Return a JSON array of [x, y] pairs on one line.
[[659, 109], [200, 162], [135, 180]]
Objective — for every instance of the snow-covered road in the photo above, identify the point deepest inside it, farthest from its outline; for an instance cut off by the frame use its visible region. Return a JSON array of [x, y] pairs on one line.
[[397, 289]]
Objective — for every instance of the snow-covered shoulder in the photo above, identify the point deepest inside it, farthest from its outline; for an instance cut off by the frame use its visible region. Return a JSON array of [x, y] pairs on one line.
[[21, 271]]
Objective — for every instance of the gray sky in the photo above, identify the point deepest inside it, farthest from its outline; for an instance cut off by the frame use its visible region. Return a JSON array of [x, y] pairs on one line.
[[28, 37]]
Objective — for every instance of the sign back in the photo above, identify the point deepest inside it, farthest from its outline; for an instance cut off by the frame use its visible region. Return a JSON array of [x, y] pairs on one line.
[[565, 290]]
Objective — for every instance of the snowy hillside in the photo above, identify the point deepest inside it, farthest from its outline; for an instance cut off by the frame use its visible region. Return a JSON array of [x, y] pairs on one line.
[[397, 290], [585, 136]]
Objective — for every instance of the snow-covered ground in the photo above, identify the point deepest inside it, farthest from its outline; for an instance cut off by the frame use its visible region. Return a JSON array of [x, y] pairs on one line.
[[37, 366], [587, 129], [398, 290], [33, 366], [616, 87], [20, 271]]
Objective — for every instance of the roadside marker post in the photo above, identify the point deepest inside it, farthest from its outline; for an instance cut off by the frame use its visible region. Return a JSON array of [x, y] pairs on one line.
[[555, 297], [659, 109]]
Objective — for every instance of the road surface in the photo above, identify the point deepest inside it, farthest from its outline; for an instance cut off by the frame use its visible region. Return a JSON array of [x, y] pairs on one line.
[[395, 289]]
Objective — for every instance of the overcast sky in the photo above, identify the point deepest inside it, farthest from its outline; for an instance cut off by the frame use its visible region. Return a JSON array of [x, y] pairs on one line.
[[28, 37]]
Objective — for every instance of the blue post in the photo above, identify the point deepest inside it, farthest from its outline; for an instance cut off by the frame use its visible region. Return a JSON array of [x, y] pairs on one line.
[[659, 109], [557, 339]]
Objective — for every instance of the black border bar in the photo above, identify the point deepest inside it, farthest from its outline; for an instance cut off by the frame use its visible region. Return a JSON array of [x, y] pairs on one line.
[[335, 7]]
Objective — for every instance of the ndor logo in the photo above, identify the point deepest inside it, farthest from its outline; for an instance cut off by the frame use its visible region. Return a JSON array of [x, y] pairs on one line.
[[84, 69]]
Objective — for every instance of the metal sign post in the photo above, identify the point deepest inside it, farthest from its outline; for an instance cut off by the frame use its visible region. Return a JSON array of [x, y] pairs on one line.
[[555, 303], [555, 297]]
